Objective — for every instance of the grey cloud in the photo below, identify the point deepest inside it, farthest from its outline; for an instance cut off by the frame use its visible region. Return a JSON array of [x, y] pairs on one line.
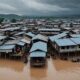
[[40, 7]]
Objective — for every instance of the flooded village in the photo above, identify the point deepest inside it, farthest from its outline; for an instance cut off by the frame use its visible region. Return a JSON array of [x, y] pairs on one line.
[[40, 49]]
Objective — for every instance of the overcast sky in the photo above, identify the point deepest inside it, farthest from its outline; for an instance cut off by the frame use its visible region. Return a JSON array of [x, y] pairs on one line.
[[40, 7]]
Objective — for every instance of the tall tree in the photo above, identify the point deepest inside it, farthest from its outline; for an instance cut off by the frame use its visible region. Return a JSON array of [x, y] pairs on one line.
[[1, 20], [13, 20]]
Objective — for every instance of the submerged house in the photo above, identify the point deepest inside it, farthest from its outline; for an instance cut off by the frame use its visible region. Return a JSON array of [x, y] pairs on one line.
[[37, 58], [20, 43], [7, 50], [19, 46], [38, 53], [77, 42], [52, 40], [67, 48]]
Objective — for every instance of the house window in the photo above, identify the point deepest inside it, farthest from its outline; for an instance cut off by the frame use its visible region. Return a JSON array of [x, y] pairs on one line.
[[62, 47], [79, 46], [67, 47], [72, 46]]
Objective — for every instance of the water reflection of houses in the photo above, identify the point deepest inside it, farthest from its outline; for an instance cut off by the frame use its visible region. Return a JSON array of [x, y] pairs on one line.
[[13, 65], [38, 73]]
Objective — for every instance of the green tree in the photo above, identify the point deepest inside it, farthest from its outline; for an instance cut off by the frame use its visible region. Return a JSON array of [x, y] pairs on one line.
[[1, 20], [13, 20]]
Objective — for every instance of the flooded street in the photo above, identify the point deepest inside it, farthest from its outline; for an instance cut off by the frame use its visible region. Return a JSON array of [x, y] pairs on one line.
[[55, 70]]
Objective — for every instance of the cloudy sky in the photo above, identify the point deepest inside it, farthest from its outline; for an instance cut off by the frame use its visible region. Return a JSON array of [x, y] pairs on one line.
[[40, 7]]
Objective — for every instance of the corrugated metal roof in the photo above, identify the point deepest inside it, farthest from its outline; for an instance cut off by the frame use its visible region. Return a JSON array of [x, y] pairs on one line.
[[39, 46], [19, 33], [64, 42], [53, 29], [21, 43], [53, 38], [30, 34], [10, 29], [40, 37], [38, 54], [12, 42], [76, 40], [75, 35], [6, 47], [26, 41], [2, 37]]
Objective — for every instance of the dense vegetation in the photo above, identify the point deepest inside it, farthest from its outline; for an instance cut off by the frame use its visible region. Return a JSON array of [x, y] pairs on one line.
[[1, 20]]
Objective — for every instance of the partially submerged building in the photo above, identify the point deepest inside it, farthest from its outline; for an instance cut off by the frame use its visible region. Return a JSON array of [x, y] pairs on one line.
[[38, 58], [7, 50], [52, 40], [67, 48], [38, 53]]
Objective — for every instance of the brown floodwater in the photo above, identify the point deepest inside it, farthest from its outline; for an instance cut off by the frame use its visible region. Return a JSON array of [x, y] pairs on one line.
[[55, 70]]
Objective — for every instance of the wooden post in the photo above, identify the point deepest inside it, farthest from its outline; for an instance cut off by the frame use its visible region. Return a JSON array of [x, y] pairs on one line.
[[5, 55], [75, 54], [0, 55], [59, 55], [68, 55]]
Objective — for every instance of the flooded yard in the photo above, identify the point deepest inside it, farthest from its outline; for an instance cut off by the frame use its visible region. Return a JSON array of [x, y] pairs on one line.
[[55, 70]]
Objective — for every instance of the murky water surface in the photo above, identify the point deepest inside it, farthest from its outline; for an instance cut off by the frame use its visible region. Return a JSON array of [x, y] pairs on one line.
[[55, 70]]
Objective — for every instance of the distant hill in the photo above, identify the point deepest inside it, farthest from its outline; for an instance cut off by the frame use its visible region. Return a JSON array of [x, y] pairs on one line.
[[14, 16], [10, 16]]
